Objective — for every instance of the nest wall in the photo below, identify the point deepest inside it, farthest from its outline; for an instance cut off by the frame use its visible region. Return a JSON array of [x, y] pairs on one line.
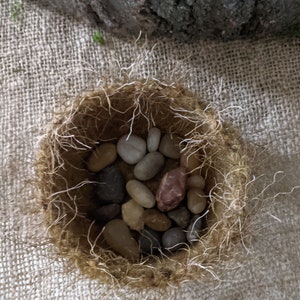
[[105, 114]]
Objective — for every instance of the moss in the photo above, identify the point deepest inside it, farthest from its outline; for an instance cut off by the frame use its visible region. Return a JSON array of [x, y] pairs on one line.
[[98, 38], [16, 9]]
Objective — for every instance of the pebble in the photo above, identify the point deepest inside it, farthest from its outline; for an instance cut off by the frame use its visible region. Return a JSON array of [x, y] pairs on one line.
[[106, 213], [131, 148], [140, 193], [149, 241], [196, 200], [101, 157], [181, 216], [194, 229], [169, 146], [117, 235], [156, 220], [149, 166], [110, 187], [190, 159], [195, 181], [151, 227], [173, 239], [171, 190], [132, 215], [153, 139]]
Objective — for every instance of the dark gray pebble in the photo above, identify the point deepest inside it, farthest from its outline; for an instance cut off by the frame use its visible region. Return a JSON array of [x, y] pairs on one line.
[[106, 213], [110, 186], [149, 241], [194, 229], [181, 216], [173, 239]]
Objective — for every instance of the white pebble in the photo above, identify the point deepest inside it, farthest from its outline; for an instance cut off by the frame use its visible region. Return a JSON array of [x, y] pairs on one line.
[[153, 139], [140, 193], [149, 166], [169, 146], [131, 149]]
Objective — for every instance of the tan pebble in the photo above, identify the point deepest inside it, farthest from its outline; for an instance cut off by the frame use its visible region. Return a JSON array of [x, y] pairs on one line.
[[190, 159], [101, 157], [195, 181], [196, 200], [156, 220], [132, 215], [169, 146], [117, 235], [140, 193]]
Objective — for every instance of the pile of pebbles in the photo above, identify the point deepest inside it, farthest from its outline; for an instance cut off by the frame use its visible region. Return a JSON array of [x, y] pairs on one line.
[[148, 195]]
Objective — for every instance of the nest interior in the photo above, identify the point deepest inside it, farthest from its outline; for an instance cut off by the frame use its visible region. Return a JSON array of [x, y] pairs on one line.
[[106, 114]]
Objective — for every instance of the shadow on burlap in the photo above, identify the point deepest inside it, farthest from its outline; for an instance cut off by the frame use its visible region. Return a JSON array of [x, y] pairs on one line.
[[254, 84]]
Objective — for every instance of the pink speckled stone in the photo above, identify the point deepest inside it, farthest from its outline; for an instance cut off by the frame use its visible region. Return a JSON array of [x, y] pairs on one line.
[[172, 189]]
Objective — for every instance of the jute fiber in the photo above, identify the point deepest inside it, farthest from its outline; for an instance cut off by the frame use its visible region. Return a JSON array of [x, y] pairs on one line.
[[255, 85], [106, 114]]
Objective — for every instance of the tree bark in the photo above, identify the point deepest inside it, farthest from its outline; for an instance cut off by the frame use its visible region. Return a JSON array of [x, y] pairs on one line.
[[187, 20]]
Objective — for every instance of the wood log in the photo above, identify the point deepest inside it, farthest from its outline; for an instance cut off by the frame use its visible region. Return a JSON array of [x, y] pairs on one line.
[[187, 20]]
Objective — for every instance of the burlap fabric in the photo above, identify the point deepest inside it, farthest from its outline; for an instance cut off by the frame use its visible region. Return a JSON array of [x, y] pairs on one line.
[[255, 84]]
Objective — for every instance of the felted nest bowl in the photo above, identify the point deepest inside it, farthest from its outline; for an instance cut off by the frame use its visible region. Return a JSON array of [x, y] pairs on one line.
[[107, 113]]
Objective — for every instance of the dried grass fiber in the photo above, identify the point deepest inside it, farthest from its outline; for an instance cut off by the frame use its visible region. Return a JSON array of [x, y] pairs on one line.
[[105, 114]]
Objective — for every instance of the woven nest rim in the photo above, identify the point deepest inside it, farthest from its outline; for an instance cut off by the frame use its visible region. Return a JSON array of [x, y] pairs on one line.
[[135, 107]]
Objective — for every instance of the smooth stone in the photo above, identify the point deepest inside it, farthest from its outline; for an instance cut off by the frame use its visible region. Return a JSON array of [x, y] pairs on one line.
[[169, 146], [190, 159], [195, 181], [181, 216], [196, 200], [140, 193], [149, 166], [117, 235], [156, 220], [106, 213], [194, 229], [149, 241], [101, 157], [153, 139], [132, 215], [110, 186], [173, 239], [171, 190], [131, 148]]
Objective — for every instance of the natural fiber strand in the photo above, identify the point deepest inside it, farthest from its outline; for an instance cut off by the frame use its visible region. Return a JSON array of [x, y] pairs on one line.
[[107, 113]]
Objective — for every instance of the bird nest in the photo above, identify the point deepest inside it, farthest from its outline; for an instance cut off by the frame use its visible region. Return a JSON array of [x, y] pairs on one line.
[[105, 114]]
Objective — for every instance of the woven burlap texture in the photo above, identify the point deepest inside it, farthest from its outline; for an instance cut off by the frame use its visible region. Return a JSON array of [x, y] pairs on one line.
[[255, 84]]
